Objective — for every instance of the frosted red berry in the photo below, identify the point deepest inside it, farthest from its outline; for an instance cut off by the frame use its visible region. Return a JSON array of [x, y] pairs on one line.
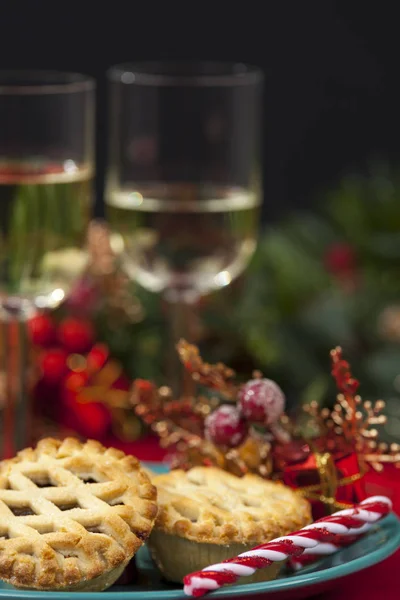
[[225, 426], [261, 401]]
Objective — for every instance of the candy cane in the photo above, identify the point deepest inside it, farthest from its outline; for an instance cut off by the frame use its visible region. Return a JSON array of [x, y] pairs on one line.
[[317, 538], [308, 556]]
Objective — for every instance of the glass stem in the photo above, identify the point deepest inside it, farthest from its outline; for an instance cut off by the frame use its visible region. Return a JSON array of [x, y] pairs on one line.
[[15, 392], [181, 323]]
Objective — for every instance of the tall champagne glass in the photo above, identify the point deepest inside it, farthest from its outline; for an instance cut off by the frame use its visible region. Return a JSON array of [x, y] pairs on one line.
[[46, 172], [183, 187]]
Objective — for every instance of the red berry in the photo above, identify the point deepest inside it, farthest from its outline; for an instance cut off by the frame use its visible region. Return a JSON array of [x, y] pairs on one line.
[[53, 364], [42, 330], [76, 335], [97, 357], [75, 381], [261, 401], [225, 426], [93, 418], [144, 390], [144, 385], [340, 258]]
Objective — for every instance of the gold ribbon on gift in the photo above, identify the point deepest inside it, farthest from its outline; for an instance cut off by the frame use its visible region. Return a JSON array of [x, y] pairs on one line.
[[325, 490]]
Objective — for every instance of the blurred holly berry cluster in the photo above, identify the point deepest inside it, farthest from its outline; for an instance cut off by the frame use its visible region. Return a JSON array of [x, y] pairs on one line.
[[79, 386]]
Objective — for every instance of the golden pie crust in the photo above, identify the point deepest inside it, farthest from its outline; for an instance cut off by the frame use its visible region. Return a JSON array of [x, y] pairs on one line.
[[207, 515], [72, 515], [210, 505]]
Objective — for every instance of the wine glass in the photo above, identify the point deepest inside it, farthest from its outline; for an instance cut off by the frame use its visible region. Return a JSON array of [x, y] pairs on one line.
[[46, 173], [183, 188]]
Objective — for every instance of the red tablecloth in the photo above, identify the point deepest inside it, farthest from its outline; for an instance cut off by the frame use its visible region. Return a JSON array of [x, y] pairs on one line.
[[379, 582]]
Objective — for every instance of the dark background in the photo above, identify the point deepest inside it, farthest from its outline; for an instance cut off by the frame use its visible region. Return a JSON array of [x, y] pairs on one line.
[[332, 89]]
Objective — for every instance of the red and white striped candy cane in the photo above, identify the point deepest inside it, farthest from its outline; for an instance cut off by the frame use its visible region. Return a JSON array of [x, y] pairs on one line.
[[317, 538], [308, 556], [341, 540]]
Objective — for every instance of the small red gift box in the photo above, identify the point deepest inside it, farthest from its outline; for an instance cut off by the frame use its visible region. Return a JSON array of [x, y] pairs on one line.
[[330, 481]]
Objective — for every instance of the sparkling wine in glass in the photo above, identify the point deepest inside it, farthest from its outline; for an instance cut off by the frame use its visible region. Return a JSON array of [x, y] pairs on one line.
[[44, 208], [184, 248], [183, 188], [46, 173]]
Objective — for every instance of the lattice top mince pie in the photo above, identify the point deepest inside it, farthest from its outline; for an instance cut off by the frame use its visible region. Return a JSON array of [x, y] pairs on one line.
[[72, 515], [206, 515]]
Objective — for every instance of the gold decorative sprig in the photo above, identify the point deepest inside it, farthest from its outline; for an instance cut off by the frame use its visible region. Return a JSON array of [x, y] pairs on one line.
[[350, 427], [354, 421], [217, 377]]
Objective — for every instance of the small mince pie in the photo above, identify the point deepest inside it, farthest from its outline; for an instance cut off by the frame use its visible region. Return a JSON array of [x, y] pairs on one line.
[[207, 515], [72, 515]]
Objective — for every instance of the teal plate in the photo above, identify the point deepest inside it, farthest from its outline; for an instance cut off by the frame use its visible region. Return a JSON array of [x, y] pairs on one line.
[[382, 541]]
